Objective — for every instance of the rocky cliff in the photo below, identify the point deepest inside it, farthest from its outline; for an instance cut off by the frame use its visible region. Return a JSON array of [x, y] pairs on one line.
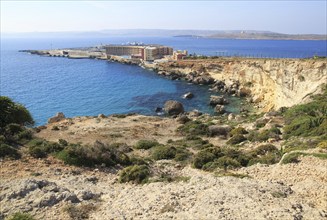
[[271, 83]]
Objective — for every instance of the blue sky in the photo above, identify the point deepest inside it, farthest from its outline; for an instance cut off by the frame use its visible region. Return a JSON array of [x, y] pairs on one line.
[[293, 17]]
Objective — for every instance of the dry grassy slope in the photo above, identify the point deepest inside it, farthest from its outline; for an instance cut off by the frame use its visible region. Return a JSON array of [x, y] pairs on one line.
[[273, 83]]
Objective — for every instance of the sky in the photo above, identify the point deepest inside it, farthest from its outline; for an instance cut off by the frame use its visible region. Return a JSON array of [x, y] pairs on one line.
[[290, 17]]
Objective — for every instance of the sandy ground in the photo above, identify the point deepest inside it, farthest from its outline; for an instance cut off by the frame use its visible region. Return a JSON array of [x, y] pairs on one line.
[[292, 191], [46, 188]]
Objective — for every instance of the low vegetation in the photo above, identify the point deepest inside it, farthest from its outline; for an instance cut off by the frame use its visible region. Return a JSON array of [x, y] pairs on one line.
[[135, 174], [307, 119], [146, 144], [21, 216], [294, 157]]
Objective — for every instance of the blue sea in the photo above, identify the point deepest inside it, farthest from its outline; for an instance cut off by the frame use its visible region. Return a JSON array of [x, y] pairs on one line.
[[46, 85]]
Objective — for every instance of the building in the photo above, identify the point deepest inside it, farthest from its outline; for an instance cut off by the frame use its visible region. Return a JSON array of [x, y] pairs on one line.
[[145, 52], [179, 55]]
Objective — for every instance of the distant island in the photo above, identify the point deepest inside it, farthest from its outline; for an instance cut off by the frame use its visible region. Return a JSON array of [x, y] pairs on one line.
[[259, 35], [222, 34]]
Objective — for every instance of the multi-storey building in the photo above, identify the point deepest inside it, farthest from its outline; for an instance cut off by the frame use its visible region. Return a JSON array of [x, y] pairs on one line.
[[146, 52]]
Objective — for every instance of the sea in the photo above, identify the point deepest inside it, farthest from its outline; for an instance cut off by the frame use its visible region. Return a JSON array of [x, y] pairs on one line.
[[47, 85]]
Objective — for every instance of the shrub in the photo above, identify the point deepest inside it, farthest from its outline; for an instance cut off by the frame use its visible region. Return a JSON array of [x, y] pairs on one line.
[[194, 128], [264, 135], [8, 151], [12, 112], [55, 128], [202, 158], [265, 154], [163, 152], [80, 212], [227, 162], [21, 216], [182, 155], [135, 174], [63, 142], [322, 145], [236, 139], [40, 148], [37, 151], [291, 158], [12, 129], [307, 119], [237, 131], [27, 135], [90, 156], [146, 144]]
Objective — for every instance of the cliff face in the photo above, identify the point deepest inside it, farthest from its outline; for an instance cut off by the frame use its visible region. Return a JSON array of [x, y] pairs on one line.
[[272, 83]]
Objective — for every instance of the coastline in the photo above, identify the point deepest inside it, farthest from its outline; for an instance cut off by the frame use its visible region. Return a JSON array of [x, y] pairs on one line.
[[267, 83]]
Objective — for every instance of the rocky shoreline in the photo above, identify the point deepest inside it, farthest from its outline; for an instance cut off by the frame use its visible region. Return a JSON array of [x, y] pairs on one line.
[[268, 84]]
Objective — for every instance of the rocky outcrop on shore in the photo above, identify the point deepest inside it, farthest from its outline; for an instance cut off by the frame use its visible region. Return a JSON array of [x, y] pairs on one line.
[[271, 83]]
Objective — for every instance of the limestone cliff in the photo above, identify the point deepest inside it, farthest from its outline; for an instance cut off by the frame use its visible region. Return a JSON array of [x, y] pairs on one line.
[[273, 83]]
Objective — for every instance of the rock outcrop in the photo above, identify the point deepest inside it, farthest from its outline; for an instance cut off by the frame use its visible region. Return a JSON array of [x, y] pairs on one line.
[[272, 83], [173, 107], [58, 117]]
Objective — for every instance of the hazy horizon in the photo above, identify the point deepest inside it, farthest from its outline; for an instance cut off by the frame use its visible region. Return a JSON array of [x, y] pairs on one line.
[[287, 17]]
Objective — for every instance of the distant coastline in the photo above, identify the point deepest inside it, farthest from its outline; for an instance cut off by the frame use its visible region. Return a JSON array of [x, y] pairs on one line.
[[260, 36], [218, 34]]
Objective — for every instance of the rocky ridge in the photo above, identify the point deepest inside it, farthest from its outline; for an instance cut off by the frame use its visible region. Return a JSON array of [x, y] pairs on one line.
[[271, 83]]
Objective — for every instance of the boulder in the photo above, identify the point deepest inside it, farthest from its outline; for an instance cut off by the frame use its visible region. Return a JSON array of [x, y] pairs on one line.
[[173, 107], [195, 113], [188, 95], [220, 109], [243, 92], [203, 80], [58, 117], [183, 119], [230, 117], [158, 109], [216, 130], [217, 100], [101, 116]]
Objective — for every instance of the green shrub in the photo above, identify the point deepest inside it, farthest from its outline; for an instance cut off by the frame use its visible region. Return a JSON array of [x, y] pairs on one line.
[[264, 135], [307, 119], [322, 145], [291, 158], [138, 161], [12, 112], [37, 151], [146, 144], [27, 135], [135, 174], [202, 158], [265, 154], [8, 151], [194, 128], [237, 131], [21, 216], [222, 162], [63, 142], [81, 211], [236, 139], [163, 152], [12, 129], [40, 148], [182, 155], [55, 128], [227, 162], [90, 156]]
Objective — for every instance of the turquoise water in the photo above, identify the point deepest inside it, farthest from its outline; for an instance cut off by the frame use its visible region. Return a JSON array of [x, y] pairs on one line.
[[46, 85]]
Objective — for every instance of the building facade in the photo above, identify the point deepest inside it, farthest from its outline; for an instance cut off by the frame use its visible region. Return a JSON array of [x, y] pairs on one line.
[[145, 52]]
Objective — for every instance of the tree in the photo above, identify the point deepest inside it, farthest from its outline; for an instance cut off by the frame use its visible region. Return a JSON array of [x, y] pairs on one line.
[[11, 112]]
